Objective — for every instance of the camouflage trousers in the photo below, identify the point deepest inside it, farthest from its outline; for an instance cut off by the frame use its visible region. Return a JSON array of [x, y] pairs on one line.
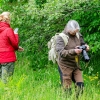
[[6, 70]]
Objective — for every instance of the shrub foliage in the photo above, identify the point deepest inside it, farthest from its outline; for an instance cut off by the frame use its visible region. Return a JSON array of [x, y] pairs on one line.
[[39, 21]]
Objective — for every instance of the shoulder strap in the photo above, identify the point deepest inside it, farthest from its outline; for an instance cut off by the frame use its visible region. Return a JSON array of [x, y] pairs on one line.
[[78, 35], [64, 37]]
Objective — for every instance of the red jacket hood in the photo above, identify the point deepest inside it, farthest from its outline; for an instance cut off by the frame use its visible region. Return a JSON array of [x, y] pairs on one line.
[[3, 26]]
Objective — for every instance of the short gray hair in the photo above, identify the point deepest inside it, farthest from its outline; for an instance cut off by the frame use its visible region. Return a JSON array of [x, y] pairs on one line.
[[72, 25]]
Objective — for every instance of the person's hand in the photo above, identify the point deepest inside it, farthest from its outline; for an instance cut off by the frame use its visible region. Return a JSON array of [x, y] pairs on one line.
[[78, 51], [15, 33], [20, 49], [87, 47]]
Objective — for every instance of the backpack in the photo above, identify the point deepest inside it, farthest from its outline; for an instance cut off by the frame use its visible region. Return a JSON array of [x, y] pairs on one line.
[[52, 54]]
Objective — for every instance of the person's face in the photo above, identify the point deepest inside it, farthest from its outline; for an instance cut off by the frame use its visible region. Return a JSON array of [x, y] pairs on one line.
[[74, 32]]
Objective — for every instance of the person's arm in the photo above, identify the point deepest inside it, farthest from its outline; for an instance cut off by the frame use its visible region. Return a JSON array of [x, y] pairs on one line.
[[13, 38], [60, 48], [83, 43], [81, 39]]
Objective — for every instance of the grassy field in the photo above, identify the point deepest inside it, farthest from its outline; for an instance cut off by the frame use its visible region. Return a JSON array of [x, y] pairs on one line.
[[44, 84]]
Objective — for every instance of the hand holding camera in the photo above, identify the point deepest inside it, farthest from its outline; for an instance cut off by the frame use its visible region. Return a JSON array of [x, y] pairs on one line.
[[84, 48], [78, 51]]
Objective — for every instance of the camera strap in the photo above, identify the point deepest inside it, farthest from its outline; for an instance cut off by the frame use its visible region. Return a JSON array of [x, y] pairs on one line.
[[77, 63], [76, 60]]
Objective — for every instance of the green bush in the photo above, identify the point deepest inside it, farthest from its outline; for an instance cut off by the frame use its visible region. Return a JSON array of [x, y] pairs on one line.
[[38, 24]]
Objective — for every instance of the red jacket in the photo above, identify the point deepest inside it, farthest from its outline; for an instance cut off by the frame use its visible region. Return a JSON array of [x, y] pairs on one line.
[[8, 43]]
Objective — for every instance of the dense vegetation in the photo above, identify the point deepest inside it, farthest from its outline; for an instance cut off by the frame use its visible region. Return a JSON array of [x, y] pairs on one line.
[[39, 20]]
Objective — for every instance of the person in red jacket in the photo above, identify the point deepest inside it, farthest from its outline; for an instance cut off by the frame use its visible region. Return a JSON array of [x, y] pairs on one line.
[[8, 45]]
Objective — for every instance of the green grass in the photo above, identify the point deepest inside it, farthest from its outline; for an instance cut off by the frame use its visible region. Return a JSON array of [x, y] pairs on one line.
[[43, 84]]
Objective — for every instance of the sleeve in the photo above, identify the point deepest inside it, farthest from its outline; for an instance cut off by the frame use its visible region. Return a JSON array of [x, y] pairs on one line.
[[82, 40], [13, 38], [60, 48]]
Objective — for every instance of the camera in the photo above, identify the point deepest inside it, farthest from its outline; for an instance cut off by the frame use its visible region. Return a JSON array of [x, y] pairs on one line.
[[84, 53]]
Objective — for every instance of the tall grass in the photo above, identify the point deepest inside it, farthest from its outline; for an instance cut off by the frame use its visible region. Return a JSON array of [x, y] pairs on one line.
[[43, 84]]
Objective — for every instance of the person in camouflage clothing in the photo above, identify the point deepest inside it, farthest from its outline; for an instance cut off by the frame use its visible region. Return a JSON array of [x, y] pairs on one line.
[[69, 56]]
